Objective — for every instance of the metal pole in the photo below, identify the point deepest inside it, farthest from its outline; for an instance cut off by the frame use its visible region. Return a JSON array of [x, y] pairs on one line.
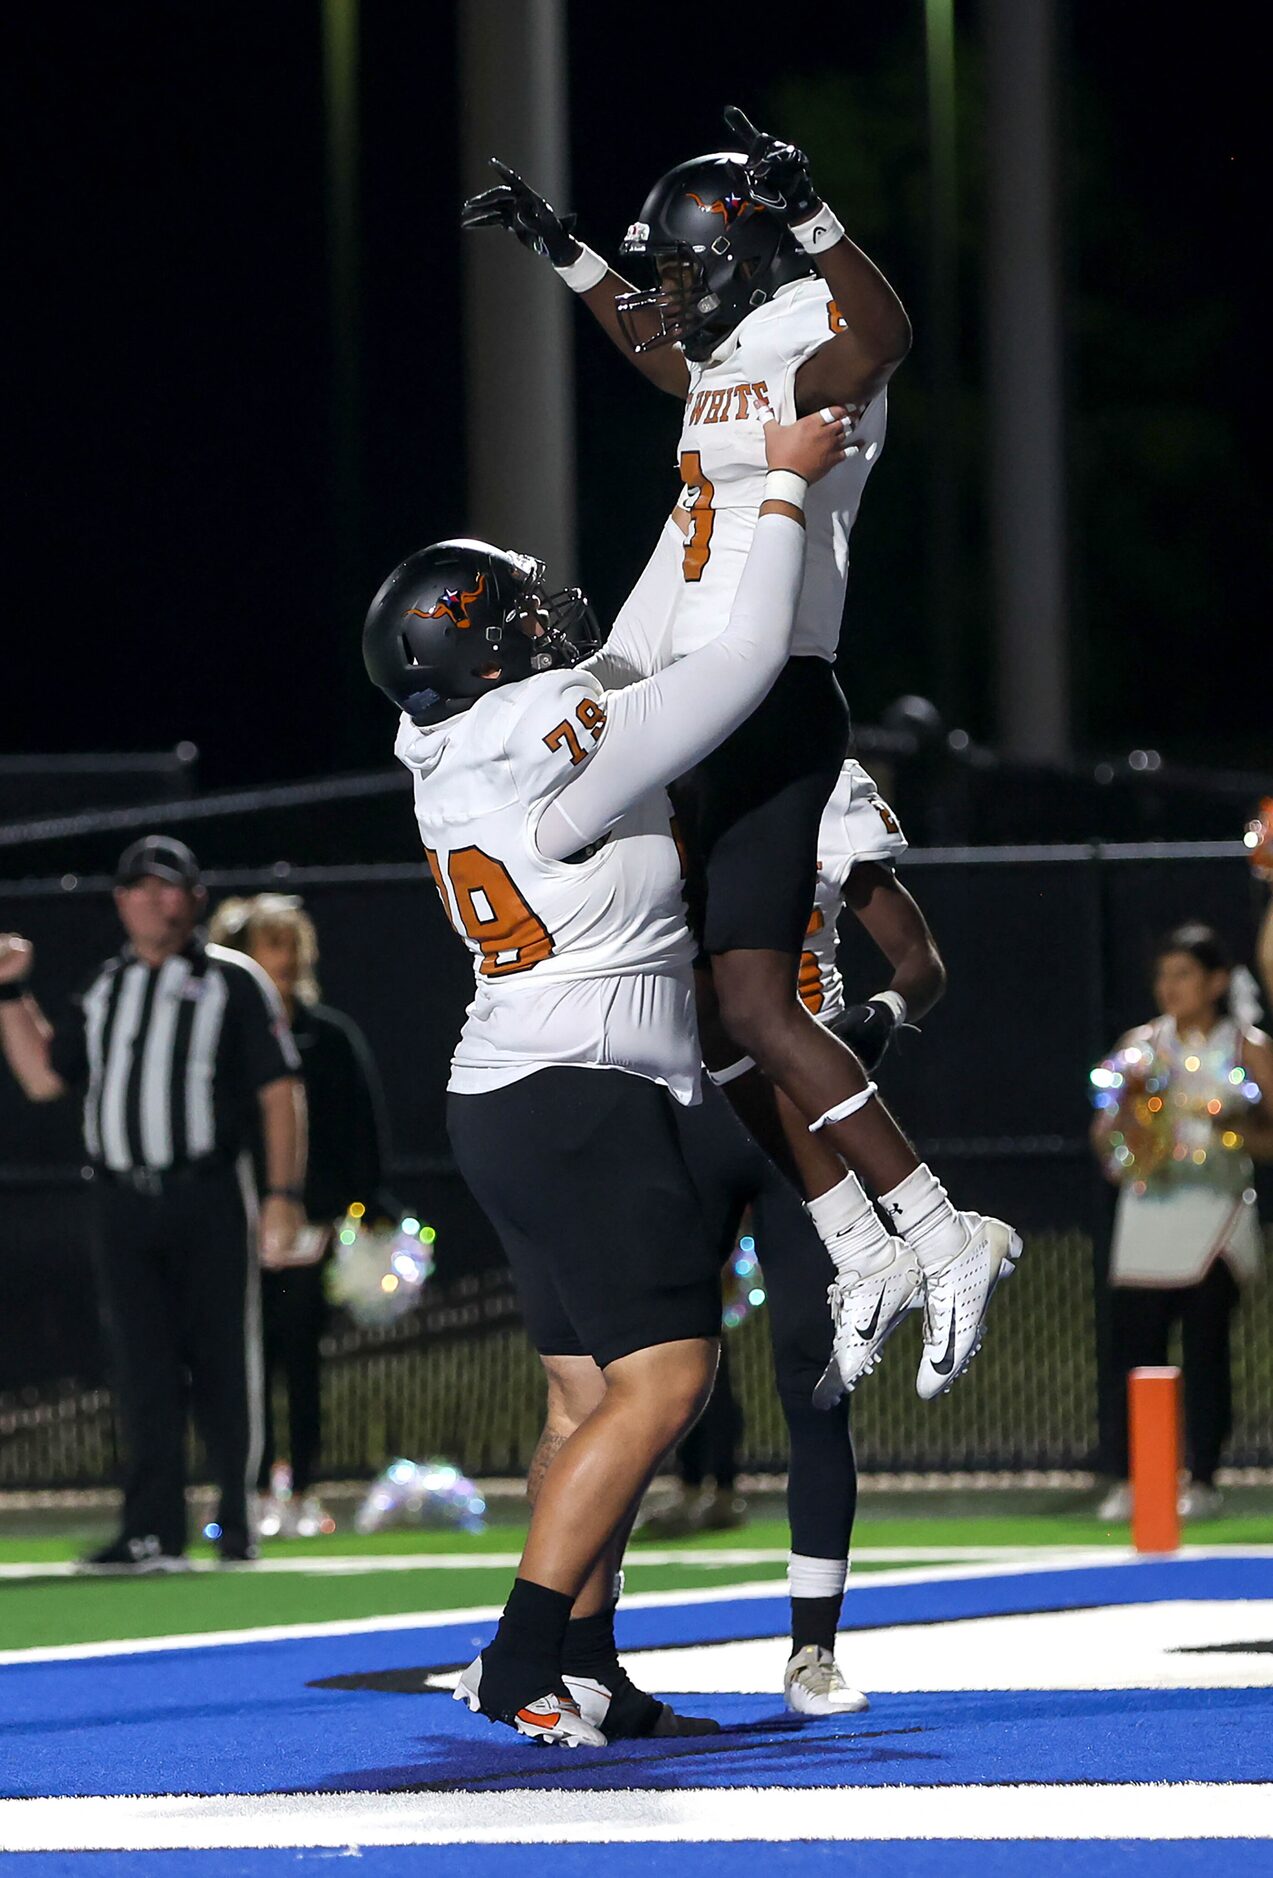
[[941, 343], [340, 103], [1027, 479], [519, 351]]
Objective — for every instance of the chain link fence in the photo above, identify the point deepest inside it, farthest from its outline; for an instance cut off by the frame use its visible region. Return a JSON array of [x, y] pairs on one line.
[[462, 1381]]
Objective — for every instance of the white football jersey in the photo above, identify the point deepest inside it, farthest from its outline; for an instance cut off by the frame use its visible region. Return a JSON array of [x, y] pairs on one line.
[[722, 466], [585, 963], [857, 825]]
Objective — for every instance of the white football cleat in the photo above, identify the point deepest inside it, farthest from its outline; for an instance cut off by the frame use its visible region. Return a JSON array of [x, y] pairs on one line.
[[956, 1299], [551, 1719], [812, 1685], [864, 1313]]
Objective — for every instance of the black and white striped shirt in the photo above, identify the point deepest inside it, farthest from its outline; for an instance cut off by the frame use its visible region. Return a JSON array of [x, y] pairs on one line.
[[171, 1056]]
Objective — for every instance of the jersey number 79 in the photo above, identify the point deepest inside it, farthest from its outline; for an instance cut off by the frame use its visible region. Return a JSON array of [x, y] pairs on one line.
[[486, 906]]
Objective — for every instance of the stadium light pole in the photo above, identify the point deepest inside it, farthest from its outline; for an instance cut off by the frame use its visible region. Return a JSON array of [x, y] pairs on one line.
[[341, 142], [942, 342], [1027, 475], [519, 355]]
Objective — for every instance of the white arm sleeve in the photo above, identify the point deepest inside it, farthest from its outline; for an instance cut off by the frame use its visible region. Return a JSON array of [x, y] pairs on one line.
[[663, 726], [640, 641]]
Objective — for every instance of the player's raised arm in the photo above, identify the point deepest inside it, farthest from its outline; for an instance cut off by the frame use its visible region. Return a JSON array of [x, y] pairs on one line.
[[658, 729], [515, 206], [876, 333]]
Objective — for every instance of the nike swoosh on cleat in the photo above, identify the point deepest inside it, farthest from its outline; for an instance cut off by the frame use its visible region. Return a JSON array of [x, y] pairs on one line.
[[867, 1333], [946, 1363]]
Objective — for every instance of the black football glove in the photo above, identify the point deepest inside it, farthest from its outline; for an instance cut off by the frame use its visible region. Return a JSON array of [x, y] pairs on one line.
[[777, 173], [515, 206], [868, 1030]]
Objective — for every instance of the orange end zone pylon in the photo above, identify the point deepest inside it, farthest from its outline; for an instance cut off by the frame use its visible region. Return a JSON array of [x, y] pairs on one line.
[[1153, 1408]]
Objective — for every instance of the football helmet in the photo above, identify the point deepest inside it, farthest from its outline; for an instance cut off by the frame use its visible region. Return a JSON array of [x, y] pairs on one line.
[[717, 251], [461, 618]]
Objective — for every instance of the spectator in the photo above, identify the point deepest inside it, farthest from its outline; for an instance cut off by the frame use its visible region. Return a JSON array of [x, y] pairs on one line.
[[179, 1047], [1178, 1137], [345, 1135]]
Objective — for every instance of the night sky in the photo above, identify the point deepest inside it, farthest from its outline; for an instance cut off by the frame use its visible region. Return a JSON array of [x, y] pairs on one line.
[[172, 572]]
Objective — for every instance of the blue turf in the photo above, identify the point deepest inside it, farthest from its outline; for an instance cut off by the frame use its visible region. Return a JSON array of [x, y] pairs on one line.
[[931, 1858], [241, 1718]]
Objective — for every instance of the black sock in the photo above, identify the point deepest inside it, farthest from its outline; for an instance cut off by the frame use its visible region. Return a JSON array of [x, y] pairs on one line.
[[523, 1659], [589, 1650], [588, 1646], [815, 1620]]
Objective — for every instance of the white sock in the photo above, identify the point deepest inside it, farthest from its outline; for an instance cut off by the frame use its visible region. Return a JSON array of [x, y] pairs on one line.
[[922, 1214], [816, 1577], [850, 1229]]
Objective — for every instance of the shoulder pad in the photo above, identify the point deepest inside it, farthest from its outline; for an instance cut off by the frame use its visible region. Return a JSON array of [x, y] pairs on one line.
[[858, 825], [559, 725]]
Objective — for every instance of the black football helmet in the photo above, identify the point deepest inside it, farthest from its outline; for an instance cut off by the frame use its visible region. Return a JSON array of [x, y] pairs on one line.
[[460, 619], [734, 254]]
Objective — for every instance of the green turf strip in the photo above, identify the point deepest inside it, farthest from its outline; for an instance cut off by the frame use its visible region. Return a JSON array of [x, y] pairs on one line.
[[38, 1612], [990, 1529]]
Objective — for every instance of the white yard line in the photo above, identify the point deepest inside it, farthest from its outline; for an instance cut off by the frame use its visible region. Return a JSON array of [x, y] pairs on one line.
[[1187, 1811], [713, 1560]]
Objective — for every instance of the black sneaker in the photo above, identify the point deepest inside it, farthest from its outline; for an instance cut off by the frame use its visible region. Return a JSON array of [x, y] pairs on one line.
[[139, 1555]]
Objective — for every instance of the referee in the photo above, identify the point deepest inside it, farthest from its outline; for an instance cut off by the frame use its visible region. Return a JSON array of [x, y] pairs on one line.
[[175, 1045]]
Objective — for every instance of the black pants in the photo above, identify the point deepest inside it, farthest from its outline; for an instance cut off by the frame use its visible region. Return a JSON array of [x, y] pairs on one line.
[[181, 1303], [1142, 1319], [710, 1449], [731, 1173], [294, 1314], [749, 815], [581, 1174]]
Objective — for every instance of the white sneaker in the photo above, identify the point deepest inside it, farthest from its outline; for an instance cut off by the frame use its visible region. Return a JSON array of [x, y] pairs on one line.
[[812, 1685], [1200, 1501], [956, 1299], [551, 1719], [1116, 1508], [864, 1313]]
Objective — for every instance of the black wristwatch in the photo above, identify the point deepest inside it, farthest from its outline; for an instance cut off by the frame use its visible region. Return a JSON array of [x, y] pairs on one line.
[[284, 1193]]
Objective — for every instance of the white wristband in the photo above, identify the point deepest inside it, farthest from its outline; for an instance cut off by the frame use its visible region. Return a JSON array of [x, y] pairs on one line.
[[785, 486], [820, 232], [895, 1002], [588, 271]]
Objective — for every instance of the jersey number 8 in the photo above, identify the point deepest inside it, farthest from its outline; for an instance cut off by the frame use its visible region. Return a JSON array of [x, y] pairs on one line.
[[698, 545], [486, 906]]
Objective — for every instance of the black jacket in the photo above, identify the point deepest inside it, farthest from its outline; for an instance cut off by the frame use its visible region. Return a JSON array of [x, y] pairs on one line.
[[346, 1113]]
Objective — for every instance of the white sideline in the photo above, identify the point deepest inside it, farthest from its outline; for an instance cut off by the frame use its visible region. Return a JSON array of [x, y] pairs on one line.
[[1084, 1812], [710, 1560], [488, 1613]]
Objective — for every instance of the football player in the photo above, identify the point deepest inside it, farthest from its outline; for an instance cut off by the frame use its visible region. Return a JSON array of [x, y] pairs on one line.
[[541, 803], [763, 303], [859, 845]]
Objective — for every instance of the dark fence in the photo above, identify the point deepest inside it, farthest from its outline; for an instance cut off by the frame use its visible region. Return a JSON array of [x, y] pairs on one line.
[[1048, 950]]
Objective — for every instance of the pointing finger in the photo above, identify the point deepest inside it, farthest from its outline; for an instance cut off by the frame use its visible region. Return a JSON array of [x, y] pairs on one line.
[[741, 125]]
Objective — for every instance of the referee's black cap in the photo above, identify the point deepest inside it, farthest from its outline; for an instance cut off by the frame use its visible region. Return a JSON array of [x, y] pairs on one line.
[[160, 855]]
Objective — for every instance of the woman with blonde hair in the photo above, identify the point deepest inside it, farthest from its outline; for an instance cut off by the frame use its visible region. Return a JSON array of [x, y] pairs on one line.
[[345, 1160], [1183, 1106]]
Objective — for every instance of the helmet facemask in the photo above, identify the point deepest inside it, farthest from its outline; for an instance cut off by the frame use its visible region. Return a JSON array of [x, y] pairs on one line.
[[682, 301]]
